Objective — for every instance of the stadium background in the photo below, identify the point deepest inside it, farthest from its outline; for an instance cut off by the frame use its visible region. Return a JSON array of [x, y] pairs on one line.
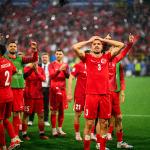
[[60, 23]]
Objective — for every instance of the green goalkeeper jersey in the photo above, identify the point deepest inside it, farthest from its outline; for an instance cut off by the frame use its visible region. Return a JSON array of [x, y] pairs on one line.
[[17, 79]]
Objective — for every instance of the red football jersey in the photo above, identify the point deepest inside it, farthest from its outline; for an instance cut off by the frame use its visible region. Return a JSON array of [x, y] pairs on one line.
[[33, 88], [97, 73], [58, 78], [112, 67], [79, 71], [7, 69]]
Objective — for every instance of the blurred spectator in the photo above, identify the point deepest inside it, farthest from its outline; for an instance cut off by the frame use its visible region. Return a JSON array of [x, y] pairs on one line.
[[56, 27]]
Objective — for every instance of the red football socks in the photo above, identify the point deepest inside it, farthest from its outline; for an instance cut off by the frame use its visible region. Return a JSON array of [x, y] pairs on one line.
[[76, 127], [24, 127], [16, 124], [111, 128], [41, 127], [10, 129], [2, 135], [60, 119], [119, 136], [53, 120], [102, 143], [87, 143]]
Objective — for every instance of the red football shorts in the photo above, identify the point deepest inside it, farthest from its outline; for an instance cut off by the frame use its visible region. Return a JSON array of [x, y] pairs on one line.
[[34, 105], [58, 100], [18, 101], [79, 103], [5, 110], [115, 102], [97, 106]]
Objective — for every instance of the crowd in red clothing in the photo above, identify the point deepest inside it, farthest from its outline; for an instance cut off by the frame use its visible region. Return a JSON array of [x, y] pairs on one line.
[[59, 27]]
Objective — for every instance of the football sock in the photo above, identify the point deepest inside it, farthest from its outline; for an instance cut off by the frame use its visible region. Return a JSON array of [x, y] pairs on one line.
[[41, 127], [87, 142], [53, 120], [93, 128], [76, 127], [2, 135], [24, 128], [60, 119], [16, 124], [102, 143], [119, 136], [111, 128], [10, 129]]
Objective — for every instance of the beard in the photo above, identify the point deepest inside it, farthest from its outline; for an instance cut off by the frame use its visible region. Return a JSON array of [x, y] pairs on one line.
[[96, 52], [14, 52]]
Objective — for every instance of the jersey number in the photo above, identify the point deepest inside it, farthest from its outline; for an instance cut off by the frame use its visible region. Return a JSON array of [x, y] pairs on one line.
[[7, 74], [78, 107]]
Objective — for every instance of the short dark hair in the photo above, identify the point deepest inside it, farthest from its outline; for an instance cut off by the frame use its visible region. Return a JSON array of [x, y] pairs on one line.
[[59, 50], [11, 41], [45, 53]]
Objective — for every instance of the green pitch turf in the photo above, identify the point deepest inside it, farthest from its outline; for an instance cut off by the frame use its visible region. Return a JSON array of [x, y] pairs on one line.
[[136, 122]]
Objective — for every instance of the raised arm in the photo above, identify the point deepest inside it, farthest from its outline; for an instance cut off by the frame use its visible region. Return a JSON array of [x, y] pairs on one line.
[[33, 58], [116, 44], [124, 52], [122, 84]]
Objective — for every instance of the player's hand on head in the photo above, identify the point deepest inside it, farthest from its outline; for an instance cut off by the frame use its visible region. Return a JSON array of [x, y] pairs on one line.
[[131, 38], [33, 45], [94, 38]]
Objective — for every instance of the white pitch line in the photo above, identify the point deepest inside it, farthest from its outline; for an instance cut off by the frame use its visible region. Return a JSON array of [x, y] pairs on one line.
[[127, 115]]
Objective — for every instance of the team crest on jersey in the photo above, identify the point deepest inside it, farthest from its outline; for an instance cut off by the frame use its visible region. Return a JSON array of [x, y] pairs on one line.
[[103, 61]]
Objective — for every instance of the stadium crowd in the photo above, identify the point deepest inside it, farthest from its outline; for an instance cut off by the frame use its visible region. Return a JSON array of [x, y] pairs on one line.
[[59, 27], [26, 83]]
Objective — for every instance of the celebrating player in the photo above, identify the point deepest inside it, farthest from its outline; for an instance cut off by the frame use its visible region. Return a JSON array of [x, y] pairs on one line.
[[17, 83], [97, 101], [58, 71], [7, 69], [33, 96]]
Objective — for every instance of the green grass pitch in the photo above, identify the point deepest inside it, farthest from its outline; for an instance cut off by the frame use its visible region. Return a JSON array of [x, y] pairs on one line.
[[136, 122]]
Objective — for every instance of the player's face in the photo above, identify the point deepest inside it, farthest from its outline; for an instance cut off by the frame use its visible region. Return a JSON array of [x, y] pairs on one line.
[[59, 55], [45, 59], [12, 48], [97, 46]]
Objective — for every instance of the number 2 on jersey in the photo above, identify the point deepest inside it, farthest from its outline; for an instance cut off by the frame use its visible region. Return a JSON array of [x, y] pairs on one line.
[[7, 74]]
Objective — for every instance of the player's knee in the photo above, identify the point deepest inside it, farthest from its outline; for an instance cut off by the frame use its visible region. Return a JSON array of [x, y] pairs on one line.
[[119, 118], [53, 112], [103, 123], [90, 124]]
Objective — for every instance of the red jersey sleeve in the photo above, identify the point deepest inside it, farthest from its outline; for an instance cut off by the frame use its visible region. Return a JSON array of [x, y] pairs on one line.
[[66, 72], [122, 80], [74, 71], [41, 74], [33, 58], [52, 71], [123, 53]]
